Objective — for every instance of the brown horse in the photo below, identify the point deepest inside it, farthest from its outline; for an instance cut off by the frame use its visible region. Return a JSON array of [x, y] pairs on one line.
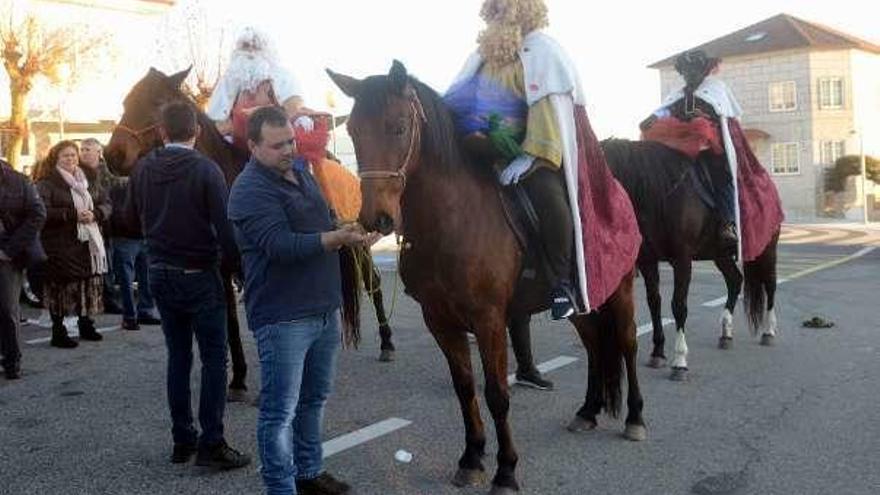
[[461, 261], [137, 133]]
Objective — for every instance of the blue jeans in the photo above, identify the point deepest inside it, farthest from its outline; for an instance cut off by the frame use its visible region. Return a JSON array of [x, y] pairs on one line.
[[193, 303], [297, 364], [130, 263]]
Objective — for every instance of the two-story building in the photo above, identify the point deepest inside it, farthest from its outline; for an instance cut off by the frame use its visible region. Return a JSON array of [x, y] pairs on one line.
[[810, 94]]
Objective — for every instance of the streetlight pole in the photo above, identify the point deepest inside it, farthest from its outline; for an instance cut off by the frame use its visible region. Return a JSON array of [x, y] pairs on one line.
[[864, 177]]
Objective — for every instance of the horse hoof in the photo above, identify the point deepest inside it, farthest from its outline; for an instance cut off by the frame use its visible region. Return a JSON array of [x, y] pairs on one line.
[[580, 425], [768, 340], [237, 395], [386, 356], [469, 477], [636, 433], [725, 343], [502, 490], [657, 362], [679, 375]]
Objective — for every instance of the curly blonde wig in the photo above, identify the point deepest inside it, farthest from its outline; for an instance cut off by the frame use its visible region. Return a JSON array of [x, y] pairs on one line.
[[507, 22]]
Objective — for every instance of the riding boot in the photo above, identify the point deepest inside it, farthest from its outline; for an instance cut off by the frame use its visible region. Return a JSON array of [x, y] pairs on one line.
[[547, 192], [60, 338], [87, 329]]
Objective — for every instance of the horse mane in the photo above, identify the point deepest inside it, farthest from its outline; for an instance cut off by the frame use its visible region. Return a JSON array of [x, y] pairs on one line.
[[441, 145], [648, 170]]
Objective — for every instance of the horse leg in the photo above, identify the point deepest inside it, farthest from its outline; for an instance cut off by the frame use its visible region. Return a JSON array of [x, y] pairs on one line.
[[373, 286], [622, 306], [733, 278], [454, 345], [769, 336], [492, 339], [585, 418], [238, 385], [651, 273], [682, 274]]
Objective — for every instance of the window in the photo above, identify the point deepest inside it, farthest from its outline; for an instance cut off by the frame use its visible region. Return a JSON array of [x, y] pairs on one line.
[[830, 151], [831, 93], [783, 96], [785, 158]]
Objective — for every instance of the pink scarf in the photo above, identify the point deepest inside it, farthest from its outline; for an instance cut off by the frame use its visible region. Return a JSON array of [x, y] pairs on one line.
[[86, 232]]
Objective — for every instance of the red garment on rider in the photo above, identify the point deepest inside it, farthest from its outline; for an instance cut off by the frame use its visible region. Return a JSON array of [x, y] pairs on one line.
[[688, 137], [759, 205], [245, 104]]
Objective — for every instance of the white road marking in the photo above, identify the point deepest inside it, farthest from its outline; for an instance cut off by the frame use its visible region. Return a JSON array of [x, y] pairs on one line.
[[355, 438], [73, 332], [809, 271], [648, 327]]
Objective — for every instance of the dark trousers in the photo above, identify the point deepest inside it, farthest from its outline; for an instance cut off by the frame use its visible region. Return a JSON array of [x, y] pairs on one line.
[[547, 192], [192, 303], [10, 289], [716, 167]]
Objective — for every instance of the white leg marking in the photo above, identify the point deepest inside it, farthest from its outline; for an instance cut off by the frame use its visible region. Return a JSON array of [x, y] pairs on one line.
[[772, 324], [679, 360], [727, 324]]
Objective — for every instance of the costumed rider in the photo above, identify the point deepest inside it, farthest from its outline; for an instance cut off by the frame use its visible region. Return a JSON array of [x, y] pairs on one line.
[[490, 100], [254, 78], [690, 120]]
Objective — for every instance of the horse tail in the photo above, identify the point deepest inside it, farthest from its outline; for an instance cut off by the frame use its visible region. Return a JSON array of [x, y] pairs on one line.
[[759, 274], [351, 296], [609, 356]]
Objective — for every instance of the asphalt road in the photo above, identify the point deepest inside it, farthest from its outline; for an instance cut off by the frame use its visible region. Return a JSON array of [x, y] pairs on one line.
[[799, 417]]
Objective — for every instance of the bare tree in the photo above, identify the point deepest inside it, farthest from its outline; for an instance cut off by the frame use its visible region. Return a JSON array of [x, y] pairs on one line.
[[31, 50], [194, 34]]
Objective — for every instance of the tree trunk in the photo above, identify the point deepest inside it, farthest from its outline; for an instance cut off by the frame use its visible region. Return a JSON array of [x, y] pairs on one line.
[[17, 122]]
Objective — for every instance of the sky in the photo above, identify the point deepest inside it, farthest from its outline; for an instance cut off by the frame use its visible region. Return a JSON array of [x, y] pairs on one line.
[[612, 43]]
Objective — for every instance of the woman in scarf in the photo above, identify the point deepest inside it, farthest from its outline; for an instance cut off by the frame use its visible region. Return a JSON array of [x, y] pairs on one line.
[[73, 243]]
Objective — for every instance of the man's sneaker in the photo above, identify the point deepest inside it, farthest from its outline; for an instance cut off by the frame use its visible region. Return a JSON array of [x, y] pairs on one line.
[[130, 325], [183, 452], [324, 484], [221, 456], [561, 307], [533, 379]]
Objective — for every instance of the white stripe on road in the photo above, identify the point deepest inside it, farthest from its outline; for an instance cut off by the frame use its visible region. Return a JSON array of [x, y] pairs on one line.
[[809, 271], [43, 340], [547, 366], [649, 327], [355, 438]]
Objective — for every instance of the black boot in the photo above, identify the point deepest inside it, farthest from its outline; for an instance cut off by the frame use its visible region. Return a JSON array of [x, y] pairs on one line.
[[60, 338], [87, 329]]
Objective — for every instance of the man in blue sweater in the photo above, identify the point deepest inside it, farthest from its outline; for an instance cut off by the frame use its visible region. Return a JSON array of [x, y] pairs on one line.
[[178, 197], [288, 244]]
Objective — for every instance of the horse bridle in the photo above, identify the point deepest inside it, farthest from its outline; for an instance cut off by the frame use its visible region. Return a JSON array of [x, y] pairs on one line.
[[418, 116], [137, 134]]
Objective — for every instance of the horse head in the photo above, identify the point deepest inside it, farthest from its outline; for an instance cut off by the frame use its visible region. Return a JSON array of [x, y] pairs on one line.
[[386, 128], [137, 131]]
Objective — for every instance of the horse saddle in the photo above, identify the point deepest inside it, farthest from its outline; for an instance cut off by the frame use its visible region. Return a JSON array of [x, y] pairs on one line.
[[526, 226]]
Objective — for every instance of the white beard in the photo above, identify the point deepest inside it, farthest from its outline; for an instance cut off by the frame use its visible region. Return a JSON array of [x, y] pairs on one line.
[[247, 70]]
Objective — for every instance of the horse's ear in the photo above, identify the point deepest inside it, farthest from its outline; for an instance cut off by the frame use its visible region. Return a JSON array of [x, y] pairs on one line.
[[347, 84], [176, 80], [398, 77]]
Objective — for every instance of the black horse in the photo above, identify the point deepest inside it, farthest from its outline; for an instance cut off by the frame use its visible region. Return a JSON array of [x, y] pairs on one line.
[[678, 227]]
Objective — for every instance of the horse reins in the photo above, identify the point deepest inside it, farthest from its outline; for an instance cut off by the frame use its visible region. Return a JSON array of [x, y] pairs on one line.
[[418, 116], [137, 134]]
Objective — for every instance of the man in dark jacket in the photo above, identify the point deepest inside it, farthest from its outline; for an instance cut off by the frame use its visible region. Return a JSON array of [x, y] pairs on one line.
[[178, 197], [22, 215]]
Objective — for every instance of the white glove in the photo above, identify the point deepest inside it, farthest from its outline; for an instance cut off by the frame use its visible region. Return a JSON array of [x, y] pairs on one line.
[[305, 122], [517, 168]]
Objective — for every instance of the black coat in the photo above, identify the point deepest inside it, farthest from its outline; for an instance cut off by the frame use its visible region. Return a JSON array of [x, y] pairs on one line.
[[69, 258], [22, 215]]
